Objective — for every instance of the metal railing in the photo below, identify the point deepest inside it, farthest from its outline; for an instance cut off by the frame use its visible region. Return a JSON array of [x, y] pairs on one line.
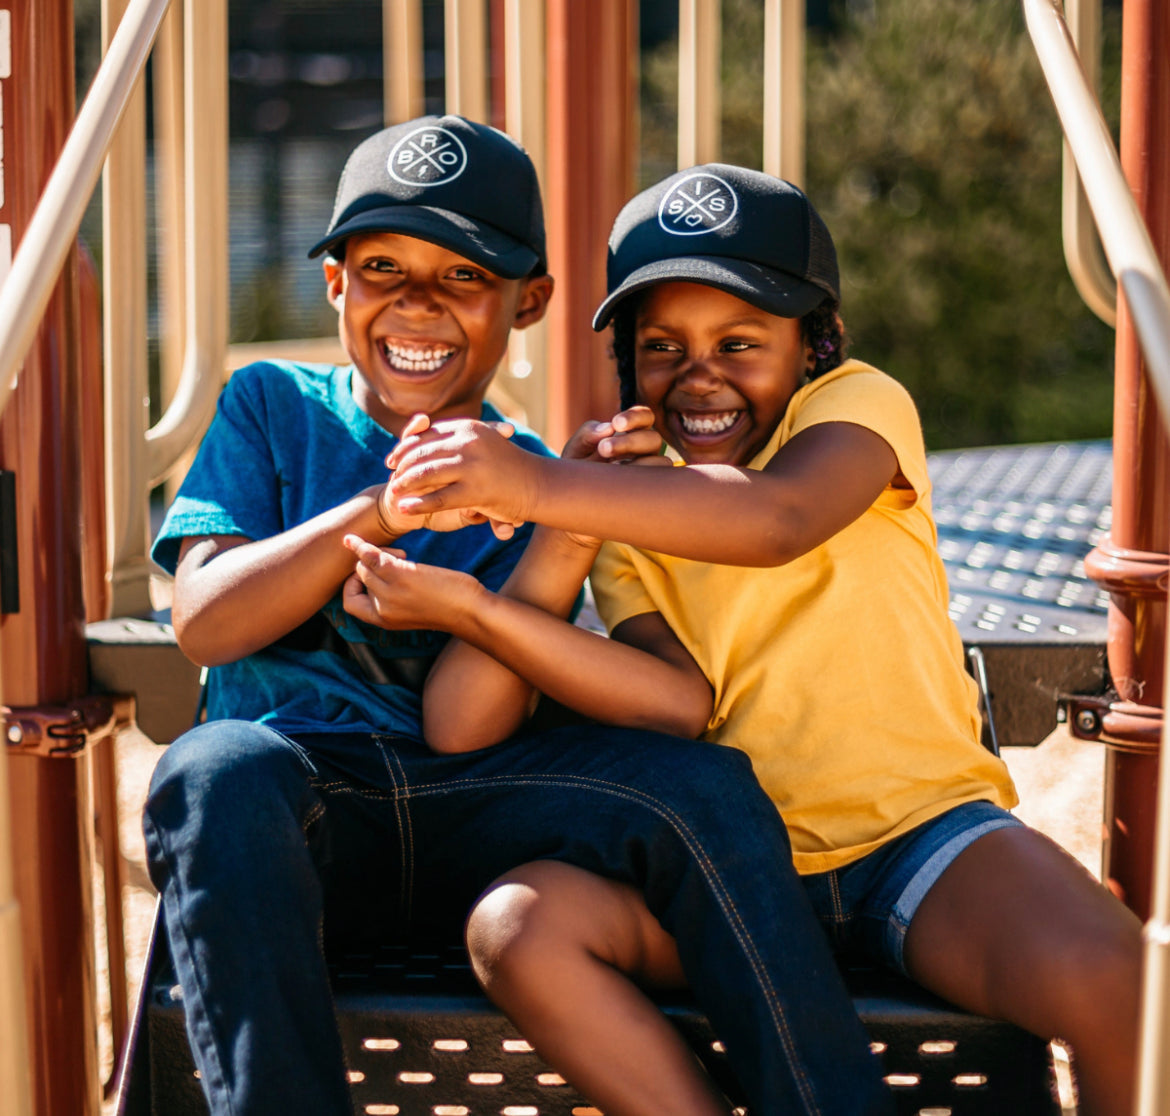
[[193, 82], [136, 457], [1082, 248], [1135, 264], [51, 232]]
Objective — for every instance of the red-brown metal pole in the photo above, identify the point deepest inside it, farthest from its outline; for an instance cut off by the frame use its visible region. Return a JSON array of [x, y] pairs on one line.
[[592, 114], [42, 647], [1133, 562]]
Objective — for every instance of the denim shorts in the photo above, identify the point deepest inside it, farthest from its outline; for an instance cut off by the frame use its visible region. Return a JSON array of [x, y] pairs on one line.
[[866, 907]]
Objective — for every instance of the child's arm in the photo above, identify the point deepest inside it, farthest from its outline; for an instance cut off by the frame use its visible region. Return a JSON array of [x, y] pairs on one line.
[[234, 595], [649, 682], [472, 700], [817, 484]]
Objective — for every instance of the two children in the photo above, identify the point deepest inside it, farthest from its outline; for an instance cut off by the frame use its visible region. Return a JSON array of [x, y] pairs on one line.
[[308, 809], [782, 594]]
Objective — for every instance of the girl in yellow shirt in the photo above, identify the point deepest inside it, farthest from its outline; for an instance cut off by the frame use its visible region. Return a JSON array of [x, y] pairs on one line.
[[781, 593]]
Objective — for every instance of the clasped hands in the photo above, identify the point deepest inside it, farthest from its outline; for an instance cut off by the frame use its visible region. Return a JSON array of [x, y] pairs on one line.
[[460, 472]]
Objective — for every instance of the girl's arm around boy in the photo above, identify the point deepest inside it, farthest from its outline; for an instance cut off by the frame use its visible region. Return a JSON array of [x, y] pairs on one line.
[[815, 485]]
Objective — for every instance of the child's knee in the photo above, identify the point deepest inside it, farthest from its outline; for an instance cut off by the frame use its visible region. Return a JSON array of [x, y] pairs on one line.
[[225, 783], [542, 918], [513, 926]]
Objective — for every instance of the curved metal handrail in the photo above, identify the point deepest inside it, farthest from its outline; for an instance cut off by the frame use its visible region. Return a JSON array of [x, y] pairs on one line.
[[206, 223], [1126, 241], [1082, 249], [1135, 263], [51, 232]]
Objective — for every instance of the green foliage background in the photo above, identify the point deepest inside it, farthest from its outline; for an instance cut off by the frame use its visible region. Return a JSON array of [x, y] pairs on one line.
[[933, 153]]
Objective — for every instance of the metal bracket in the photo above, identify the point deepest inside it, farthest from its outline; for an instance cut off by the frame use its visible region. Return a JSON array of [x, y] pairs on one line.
[[1106, 719], [65, 730]]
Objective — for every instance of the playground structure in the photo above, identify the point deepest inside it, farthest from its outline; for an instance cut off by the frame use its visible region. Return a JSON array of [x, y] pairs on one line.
[[74, 549]]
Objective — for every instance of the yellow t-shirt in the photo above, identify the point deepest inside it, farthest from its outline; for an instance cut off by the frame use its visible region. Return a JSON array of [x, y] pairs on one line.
[[839, 673]]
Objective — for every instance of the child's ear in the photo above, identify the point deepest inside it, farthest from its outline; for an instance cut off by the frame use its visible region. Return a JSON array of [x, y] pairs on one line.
[[334, 282], [534, 296]]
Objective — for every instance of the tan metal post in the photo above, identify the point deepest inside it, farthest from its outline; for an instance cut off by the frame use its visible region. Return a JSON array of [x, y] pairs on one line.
[[784, 34], [124, 353], [526, 371], [591, 121], [169, 177], [699, 100], [1082, 248], [402, 60], [465, 58], [205, 140]]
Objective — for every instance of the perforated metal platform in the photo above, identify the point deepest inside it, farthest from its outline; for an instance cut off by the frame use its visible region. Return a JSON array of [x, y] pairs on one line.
[[421, 1040], [1014, 526]]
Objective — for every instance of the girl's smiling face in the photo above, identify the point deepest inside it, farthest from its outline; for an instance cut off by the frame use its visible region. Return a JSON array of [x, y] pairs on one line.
[[716, 372]]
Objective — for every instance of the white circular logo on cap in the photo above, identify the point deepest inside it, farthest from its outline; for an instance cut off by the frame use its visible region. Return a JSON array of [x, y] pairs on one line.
[[428, 156], [700, 203]]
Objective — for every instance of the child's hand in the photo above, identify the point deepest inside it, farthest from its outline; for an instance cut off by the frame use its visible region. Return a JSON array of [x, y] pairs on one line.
[[629, 437], [466, 465], [399, 523], [389, 591]]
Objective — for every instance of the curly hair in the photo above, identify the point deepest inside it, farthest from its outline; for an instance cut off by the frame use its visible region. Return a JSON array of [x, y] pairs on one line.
[[821, 328]]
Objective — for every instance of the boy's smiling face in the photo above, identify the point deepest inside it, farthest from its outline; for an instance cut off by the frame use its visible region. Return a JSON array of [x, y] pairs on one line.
[[717, 372], [424, 326]]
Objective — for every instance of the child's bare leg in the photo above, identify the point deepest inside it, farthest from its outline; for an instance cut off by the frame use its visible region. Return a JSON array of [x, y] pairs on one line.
[[1015, 928], [559, 949]]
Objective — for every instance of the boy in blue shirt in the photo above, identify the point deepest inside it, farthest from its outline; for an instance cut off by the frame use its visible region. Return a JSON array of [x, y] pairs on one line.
[[308, 808]]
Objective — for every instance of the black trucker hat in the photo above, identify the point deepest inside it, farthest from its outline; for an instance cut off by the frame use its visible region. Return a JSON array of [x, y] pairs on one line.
[[462, 185], [747, 233]]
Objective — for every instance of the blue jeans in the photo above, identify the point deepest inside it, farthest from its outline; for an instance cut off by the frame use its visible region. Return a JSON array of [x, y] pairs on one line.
[[866, 907], [260, 845]]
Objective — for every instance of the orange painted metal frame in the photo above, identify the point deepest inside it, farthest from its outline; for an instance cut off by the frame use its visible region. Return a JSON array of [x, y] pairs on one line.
[[42, 647], [1133, 563], [592, 114]]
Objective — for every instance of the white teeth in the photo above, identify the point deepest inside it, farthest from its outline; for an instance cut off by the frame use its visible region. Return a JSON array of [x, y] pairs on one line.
[[415, 360], [708, 424]]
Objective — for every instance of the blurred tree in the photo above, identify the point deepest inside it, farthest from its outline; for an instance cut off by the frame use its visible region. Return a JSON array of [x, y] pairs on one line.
[[934, 156]]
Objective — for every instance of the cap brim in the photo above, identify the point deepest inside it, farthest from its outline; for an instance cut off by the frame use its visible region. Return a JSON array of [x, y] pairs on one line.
[[479, 242], [774, 291]]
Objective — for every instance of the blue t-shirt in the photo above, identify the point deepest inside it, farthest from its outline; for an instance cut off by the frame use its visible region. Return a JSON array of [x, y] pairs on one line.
[[288, 442]]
